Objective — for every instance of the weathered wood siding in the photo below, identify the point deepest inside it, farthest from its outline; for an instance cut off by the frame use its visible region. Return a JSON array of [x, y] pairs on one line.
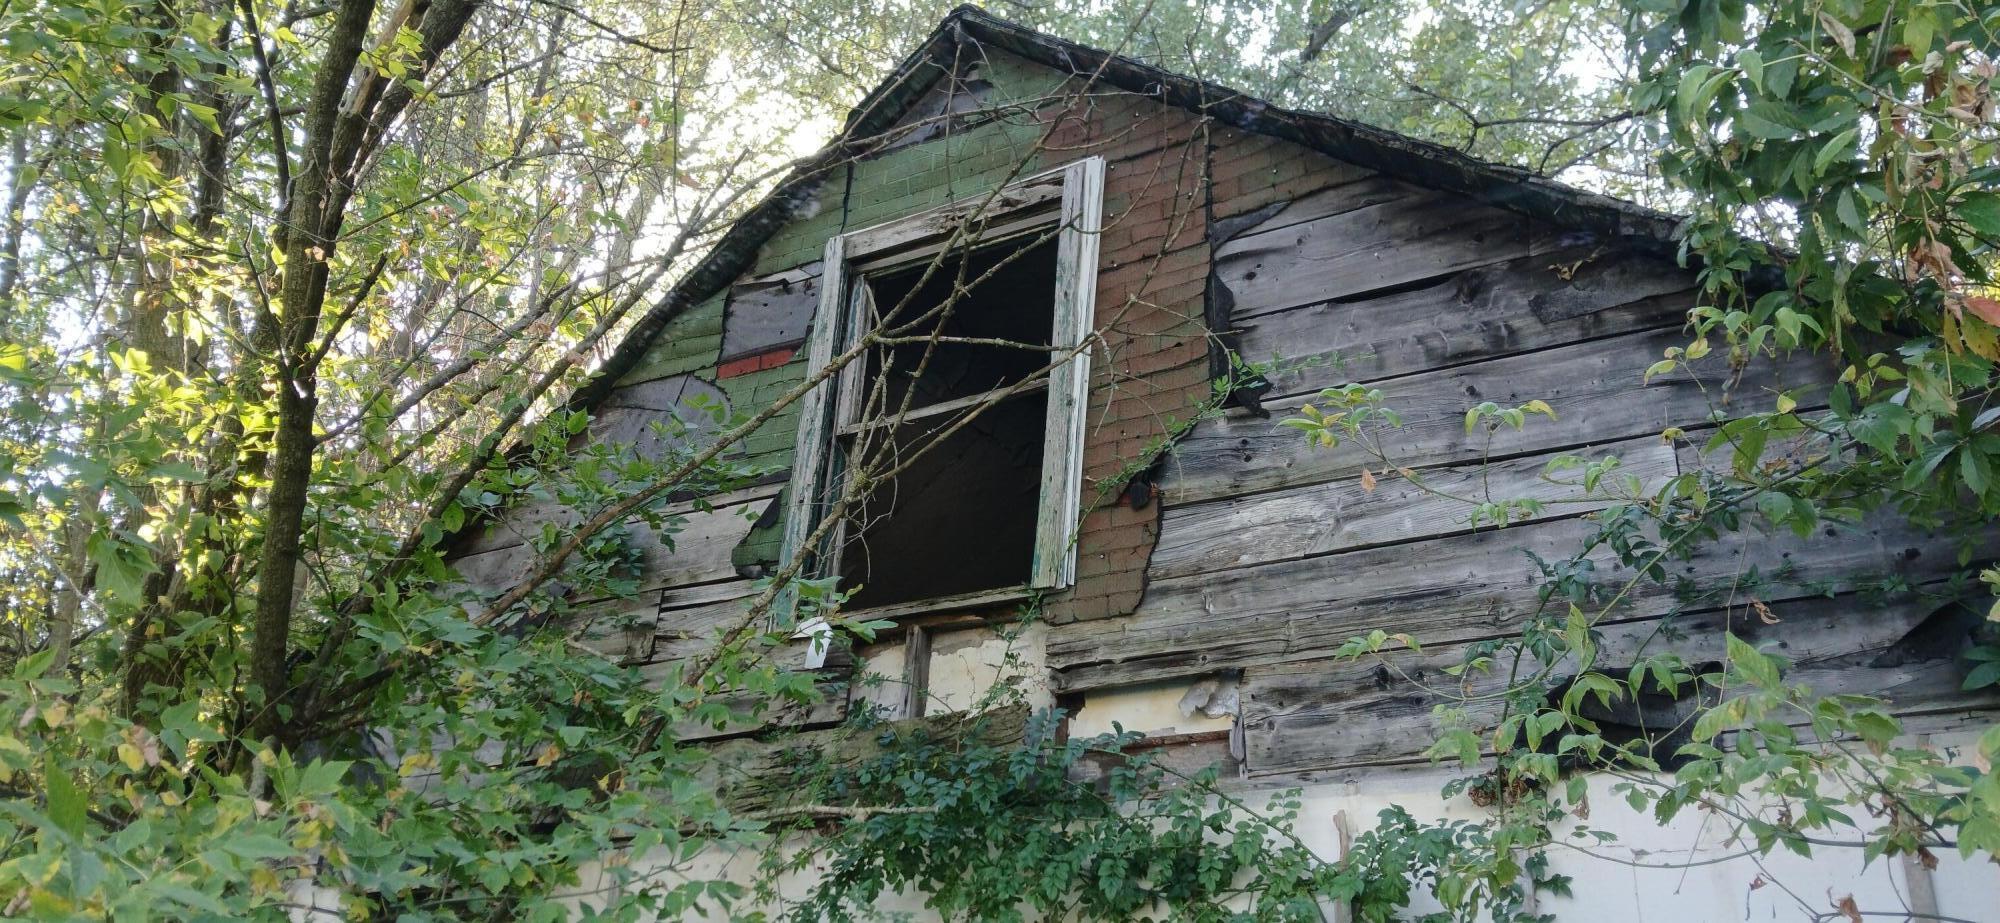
[[1254, 553], [1272, 553], [742, 349]]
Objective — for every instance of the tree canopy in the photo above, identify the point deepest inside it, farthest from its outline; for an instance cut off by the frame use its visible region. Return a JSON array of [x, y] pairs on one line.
[[289, 292]]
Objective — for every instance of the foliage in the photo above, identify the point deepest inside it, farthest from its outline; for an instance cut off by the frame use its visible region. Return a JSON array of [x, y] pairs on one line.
[[1091, 829], [289, 295], [1010, 829]]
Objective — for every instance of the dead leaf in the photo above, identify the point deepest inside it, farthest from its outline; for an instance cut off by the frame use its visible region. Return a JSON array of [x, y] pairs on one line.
[[1764, 613], [1986, 309], [1367, 480], [1929, 860], [1757, 882], [1840, 33], [1847, 908]]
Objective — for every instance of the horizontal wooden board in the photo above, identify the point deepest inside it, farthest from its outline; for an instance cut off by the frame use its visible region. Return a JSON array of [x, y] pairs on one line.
[[1353, 188], [1339, 515], [705, 593], [1444, 590], [749, 714], [1503, 309], [1326, 714], [620, 629], [1596, 388], [682, 632], [697, 553], [747, 717], [770, 312], [757, 775], [522, 521], [1405, 239]]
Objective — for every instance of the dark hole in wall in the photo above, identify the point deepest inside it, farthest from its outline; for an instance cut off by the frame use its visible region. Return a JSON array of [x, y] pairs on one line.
[[1016, 303], [960, 518], [1654, 723]]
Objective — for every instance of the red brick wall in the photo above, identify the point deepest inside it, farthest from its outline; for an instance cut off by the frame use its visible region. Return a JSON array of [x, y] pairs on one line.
[[1152, 276]]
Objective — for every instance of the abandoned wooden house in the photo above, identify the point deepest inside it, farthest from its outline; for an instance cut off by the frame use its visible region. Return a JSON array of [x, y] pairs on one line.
[[1165, 269]]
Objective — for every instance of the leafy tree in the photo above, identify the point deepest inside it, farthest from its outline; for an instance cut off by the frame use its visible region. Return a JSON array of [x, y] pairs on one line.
[[288, 292]]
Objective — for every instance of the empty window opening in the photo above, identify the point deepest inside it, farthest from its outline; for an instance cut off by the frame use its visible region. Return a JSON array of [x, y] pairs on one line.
[[1010, 298], [969, 444], [961, 515]]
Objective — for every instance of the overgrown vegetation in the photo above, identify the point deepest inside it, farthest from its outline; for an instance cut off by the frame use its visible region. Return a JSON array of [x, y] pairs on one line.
[[289, 293]]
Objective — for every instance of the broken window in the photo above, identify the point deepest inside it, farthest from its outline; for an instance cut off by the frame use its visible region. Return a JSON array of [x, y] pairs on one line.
[[959, 429]]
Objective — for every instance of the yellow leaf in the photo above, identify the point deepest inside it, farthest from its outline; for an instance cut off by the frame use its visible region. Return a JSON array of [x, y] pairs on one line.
[[1785, 403], [131, 757]]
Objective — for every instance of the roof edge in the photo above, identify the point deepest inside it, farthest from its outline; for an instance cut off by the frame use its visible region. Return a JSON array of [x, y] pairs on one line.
[[1386, 152]]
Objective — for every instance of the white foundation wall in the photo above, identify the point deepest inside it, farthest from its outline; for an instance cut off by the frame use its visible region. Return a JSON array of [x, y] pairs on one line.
[[1690, 870]]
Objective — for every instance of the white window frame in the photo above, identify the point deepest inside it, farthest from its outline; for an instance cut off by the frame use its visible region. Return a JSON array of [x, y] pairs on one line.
[[831, 407]]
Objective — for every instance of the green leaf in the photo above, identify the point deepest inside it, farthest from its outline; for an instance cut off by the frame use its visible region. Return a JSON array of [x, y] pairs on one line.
[[1834, 149], [66, 805], [1759, 125], [1981, 210], [1972, 466], [1755, 665], [1918, 31], [1752, 64], [34, 664], [1986, 674], [1876, 727], [121, 568], [257, 846]]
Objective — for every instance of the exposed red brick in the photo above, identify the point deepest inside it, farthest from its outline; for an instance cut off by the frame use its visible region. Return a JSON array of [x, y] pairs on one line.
[[756, 363]]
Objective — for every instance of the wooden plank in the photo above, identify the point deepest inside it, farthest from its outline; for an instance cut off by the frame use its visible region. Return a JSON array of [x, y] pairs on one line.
[[1507, 308], [769, 312], [643, 417], [756, 775], [947, 605], [1445, 590], [1061, 495], [809, 458], [1339, 515], [523, 521], [1596, 388], [749, 713], [945, 407], [685, 631], [1359, 189], [621, 630], [939, 223], [916, 671], [705, 593], [1375, 247], [697, 552], [1326, 714]]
